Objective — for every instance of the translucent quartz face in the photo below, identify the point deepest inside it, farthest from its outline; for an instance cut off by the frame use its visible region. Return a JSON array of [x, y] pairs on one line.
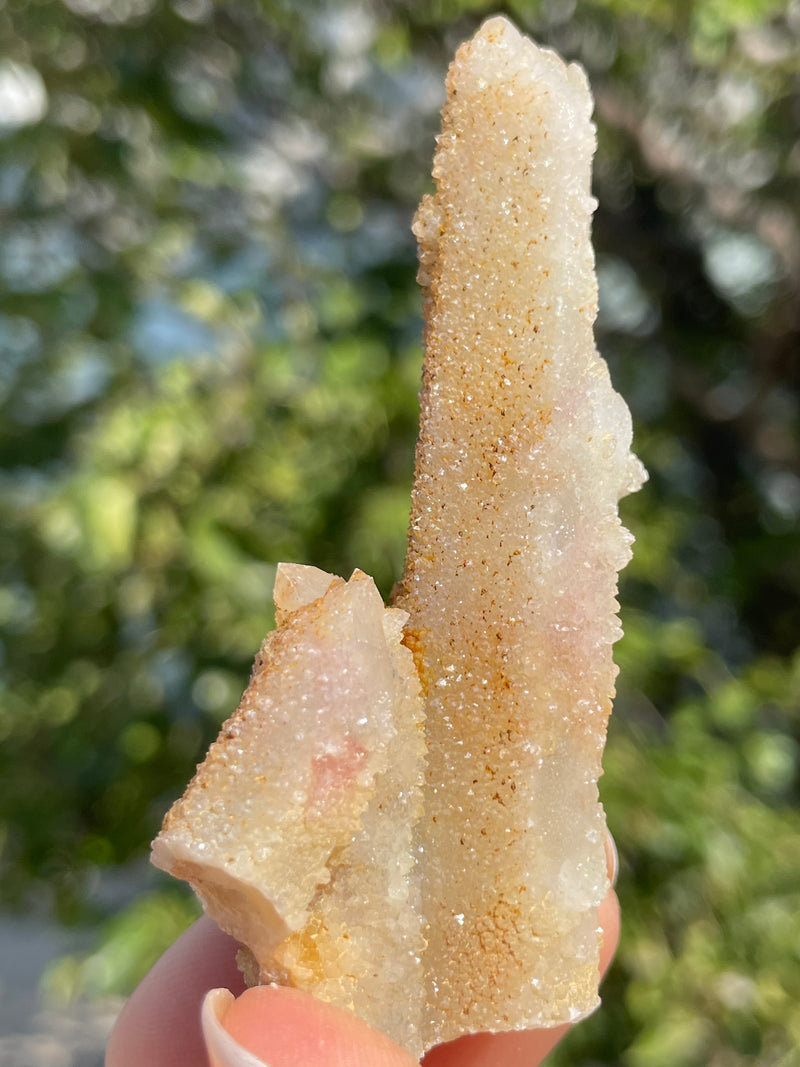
[[412, 830]]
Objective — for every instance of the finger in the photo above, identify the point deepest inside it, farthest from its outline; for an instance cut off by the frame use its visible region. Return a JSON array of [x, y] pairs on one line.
[[612, 859], [280, 1027], [160, 1024]]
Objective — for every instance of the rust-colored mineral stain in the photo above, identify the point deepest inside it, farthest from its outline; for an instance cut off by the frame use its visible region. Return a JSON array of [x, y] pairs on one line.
[[301, 955]]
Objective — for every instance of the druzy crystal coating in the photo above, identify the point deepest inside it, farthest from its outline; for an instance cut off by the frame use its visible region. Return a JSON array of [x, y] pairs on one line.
[[402, 816], [514, 546], [296, 832]]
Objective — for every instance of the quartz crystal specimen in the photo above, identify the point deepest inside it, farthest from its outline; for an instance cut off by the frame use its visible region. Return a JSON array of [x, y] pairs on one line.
[[296, 832], [514, 546], [412, 830]]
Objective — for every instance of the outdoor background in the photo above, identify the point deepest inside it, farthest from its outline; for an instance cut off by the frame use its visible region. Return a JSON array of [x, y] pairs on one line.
[[209, 360]]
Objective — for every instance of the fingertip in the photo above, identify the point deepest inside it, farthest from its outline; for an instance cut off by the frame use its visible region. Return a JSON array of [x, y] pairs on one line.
[[160, 1024], [612, 858], [609, 920], [284, 1027]]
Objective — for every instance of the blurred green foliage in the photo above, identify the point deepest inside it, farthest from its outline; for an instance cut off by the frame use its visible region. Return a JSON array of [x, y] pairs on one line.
[[209, 358], [131, 943]]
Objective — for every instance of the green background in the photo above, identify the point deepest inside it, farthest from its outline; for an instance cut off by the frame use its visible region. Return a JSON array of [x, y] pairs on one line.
[[209, 359]]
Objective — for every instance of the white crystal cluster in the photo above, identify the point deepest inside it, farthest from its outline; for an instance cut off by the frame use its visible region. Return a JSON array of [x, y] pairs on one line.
[[420, 839]]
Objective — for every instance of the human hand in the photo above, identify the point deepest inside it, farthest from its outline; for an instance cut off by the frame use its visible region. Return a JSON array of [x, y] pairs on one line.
[[160, 1025]]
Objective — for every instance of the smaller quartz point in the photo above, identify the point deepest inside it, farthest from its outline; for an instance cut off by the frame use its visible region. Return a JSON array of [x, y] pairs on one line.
[[296, 831]]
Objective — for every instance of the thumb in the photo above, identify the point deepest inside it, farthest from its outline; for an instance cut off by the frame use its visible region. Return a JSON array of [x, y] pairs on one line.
[[270, 1026]]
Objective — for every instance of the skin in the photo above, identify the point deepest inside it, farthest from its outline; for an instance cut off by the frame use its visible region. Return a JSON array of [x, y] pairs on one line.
[[160, 1024]]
